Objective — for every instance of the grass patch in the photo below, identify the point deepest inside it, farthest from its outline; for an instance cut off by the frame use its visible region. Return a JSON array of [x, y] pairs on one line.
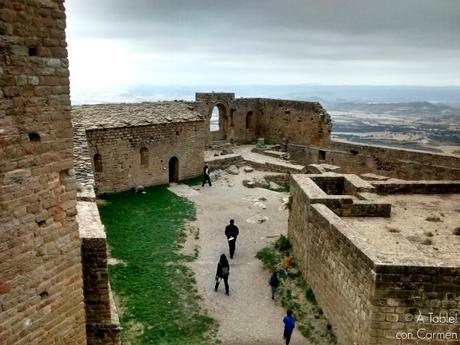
[[194, 181], [294, 293], [157, 293]]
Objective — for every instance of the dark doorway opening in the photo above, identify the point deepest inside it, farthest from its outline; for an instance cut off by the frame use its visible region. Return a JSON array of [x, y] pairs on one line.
[[250, 120], [174, 170]]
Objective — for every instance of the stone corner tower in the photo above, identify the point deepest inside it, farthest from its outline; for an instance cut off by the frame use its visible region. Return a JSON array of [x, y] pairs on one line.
[[41, 296]]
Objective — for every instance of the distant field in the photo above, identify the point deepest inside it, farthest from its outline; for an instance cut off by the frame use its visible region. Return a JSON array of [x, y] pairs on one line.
[[421, 126]]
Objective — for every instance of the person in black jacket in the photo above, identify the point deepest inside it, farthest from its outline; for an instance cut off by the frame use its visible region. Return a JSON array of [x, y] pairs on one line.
[[206, 177], [223, 271], [274, 283], [232, 232]]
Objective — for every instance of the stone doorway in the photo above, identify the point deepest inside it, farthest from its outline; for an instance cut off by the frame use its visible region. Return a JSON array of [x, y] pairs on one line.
[[218, 122], [174, 170]]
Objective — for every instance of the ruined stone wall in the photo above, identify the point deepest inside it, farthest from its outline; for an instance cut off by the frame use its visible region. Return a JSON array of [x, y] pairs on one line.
[[41, 295], [305, 123], [366, 299], [402, 302], [386, 161], [246, 119], [102, 325], [338, 273], [120, 152], [205, 102]]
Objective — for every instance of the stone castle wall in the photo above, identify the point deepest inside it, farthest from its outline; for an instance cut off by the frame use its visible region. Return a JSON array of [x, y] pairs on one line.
[[102, 325], [246, 119], [368, 302], [41, 286], [386, 161], [339, 275], [403, 299], [120, 154]]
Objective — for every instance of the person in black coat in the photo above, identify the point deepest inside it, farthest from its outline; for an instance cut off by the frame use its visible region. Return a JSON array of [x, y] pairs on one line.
[[206, 177], [274, 283], [223, 271], [232, 232]]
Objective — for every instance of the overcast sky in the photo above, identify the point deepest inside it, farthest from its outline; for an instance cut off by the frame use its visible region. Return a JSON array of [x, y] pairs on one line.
[[222, 42]]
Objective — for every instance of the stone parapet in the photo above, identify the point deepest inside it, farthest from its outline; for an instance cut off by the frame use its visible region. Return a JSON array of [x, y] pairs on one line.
[[367, 298], [102, 320]]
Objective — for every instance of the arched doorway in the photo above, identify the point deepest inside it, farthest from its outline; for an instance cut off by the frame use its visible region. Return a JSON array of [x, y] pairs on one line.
[[174, 170], [214, 121], [218, 122]]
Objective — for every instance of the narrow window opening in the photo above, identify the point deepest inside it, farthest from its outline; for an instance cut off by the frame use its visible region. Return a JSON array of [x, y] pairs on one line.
[[322, 155], [33, 51], [144, 156], [34, 137], [215, 119], [250, 120], [97, 162]]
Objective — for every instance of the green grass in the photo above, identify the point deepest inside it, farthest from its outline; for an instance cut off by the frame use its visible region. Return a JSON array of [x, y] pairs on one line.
[[156, 291], [295, 294], [194, 181]]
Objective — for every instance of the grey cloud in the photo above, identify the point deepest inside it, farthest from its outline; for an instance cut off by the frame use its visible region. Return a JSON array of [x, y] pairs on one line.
[[291, 31]]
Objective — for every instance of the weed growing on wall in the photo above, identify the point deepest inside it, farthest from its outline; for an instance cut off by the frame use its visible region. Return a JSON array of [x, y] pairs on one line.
[[156, 292]]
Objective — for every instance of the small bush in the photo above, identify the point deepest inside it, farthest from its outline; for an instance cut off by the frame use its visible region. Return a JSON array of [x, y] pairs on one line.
[[282, 244], [268, 257], [310, 295]]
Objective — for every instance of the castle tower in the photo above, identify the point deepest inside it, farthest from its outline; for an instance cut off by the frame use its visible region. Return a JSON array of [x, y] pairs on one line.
[[41, 297]]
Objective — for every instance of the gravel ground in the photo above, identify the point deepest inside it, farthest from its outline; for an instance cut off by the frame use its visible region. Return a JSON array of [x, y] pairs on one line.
[[248, 315]]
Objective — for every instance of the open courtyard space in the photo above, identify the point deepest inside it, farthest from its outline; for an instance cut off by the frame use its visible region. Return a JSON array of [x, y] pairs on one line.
[[248, 315]]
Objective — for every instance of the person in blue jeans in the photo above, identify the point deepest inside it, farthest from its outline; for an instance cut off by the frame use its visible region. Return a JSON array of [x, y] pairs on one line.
[[289, 325]]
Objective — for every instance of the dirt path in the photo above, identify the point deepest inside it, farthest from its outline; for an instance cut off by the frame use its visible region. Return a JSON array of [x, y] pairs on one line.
[[248, 315]]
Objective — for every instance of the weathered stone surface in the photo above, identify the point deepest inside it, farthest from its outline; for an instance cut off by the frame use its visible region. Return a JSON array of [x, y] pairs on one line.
[[249, 184], [257, 219], [368, 290], [274, 186], [247, 119], [232, 170], [260, 205], [133, 114], [41, 295], [248, 169], [379, 160], [256, 182]]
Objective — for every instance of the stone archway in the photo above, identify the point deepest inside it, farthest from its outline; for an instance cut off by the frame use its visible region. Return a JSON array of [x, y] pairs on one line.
[[218, 119], [173, 170]]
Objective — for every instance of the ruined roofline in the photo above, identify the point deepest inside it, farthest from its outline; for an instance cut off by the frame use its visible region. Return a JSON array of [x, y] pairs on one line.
[[102, 127], [261, 99], [121, 115]]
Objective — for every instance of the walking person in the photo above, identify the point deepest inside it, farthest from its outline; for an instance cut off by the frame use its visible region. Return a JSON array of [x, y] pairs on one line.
[[232, 232], [289, 325], [287, 262], [206, 177], [274, 282], [223, 271]]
